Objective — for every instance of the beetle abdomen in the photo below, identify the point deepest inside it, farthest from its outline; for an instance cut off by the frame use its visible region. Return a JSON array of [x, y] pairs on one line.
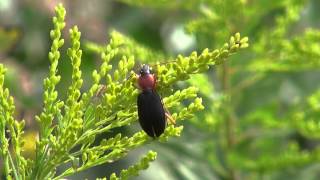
[[151, 113]]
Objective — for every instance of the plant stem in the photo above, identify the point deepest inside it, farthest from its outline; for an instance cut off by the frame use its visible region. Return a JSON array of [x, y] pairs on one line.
[[13, 168], [230, 118]]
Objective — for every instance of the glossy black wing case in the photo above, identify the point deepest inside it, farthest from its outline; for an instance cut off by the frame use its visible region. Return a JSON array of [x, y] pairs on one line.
[[151, 113]]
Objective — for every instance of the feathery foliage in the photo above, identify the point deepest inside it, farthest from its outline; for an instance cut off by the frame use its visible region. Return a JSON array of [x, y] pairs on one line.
[[68, 127]]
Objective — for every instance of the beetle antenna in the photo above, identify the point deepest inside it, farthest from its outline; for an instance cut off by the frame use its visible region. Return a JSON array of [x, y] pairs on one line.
[[163, 63]]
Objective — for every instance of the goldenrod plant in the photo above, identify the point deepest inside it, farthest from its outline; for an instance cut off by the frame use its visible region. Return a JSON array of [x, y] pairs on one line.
[[68, 128]]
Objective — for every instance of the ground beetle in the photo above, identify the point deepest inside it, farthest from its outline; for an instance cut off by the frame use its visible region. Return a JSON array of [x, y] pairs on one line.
[[151, 112]]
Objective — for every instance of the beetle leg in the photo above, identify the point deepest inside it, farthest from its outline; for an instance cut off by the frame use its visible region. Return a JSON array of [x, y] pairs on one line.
[[168, 114], [101, 90], [170, 118], [133, 76]]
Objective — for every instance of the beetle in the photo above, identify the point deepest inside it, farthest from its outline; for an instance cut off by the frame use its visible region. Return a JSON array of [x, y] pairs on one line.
[[151, 112]]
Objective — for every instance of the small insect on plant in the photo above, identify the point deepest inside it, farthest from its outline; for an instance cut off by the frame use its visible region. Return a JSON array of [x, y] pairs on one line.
[[151, 111], [152, 114]]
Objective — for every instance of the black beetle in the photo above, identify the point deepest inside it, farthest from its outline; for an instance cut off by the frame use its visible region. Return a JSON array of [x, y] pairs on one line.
[[151, 112]]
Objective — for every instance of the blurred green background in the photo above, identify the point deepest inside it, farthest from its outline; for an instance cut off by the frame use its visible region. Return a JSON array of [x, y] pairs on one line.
[[257, 103]]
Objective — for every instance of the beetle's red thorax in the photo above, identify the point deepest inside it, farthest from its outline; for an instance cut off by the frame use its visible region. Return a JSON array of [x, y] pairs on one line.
[[147, 81]]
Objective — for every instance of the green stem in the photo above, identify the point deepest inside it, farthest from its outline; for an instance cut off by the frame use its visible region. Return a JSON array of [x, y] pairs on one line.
[[4, 149], [246, 83], [39, 164], [13, 168], [97, 162], [6, 163], [230, 122]]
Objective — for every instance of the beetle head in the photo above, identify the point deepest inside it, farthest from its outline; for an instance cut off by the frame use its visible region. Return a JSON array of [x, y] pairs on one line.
[[145, 69]]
